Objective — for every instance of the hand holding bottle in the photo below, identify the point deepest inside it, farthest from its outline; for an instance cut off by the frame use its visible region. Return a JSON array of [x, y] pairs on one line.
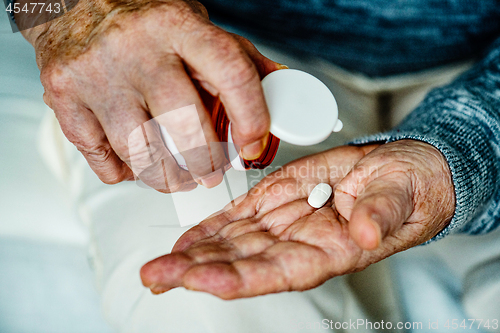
[[108, 67]]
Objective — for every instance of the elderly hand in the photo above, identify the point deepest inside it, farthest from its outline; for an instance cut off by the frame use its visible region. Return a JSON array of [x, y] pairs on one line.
[[108, 67], [387, 198]]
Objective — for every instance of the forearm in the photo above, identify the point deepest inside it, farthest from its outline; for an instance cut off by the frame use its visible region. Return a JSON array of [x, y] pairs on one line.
[[462, 120]]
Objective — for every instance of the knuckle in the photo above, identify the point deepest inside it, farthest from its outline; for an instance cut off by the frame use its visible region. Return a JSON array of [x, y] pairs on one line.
[[190, 136], [56, 81], [100, 158], [202, 10], [250, 132], [183, 17], [100, 153], [236, 68], [120, 144], [158, 177], [47, 100], [139, 153], [142, 155], [186, 131], [242, 40], [182, 122]]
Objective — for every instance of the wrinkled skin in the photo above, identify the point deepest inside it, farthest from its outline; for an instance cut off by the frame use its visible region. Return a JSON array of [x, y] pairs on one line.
[[109, 66], [387, 198]]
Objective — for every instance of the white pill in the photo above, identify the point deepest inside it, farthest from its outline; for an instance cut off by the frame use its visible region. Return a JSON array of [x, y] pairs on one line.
[[320, 195]]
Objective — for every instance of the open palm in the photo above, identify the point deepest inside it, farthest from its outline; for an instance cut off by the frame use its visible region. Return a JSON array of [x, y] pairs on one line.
[[273, 241]]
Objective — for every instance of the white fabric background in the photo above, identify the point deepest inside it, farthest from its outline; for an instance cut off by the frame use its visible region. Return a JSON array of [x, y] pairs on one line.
[[46, 284], [45, 281]]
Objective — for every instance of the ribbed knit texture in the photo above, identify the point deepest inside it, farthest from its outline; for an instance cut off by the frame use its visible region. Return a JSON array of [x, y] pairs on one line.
[[385, 37], [375, 37], [462, 120]]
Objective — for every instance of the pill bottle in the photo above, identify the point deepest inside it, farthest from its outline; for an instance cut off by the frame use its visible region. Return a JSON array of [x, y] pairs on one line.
[[303, 112], [222, 127]]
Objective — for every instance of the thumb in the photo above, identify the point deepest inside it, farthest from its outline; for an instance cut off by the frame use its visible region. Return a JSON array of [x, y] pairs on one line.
[[374, 207]]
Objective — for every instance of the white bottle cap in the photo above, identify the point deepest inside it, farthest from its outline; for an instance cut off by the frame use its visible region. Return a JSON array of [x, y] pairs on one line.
[[303, 110]]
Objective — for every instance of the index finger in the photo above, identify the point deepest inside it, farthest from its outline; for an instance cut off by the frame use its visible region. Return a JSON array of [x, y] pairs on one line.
[[222, 62]]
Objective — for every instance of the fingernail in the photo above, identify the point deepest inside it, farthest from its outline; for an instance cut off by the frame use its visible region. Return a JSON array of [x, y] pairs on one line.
[[253, 150], [281, 66], [213, 179], [157, 290]]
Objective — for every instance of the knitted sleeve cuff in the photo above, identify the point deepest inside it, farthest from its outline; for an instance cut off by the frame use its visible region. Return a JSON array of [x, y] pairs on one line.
[[467, 133]]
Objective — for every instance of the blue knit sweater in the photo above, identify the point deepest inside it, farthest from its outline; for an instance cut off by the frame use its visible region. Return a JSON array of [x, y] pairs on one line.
[[386, 37], [462, 120], [374, 37]]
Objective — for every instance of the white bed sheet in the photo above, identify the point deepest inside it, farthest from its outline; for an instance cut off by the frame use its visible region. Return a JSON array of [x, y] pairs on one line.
[[46, 283]]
